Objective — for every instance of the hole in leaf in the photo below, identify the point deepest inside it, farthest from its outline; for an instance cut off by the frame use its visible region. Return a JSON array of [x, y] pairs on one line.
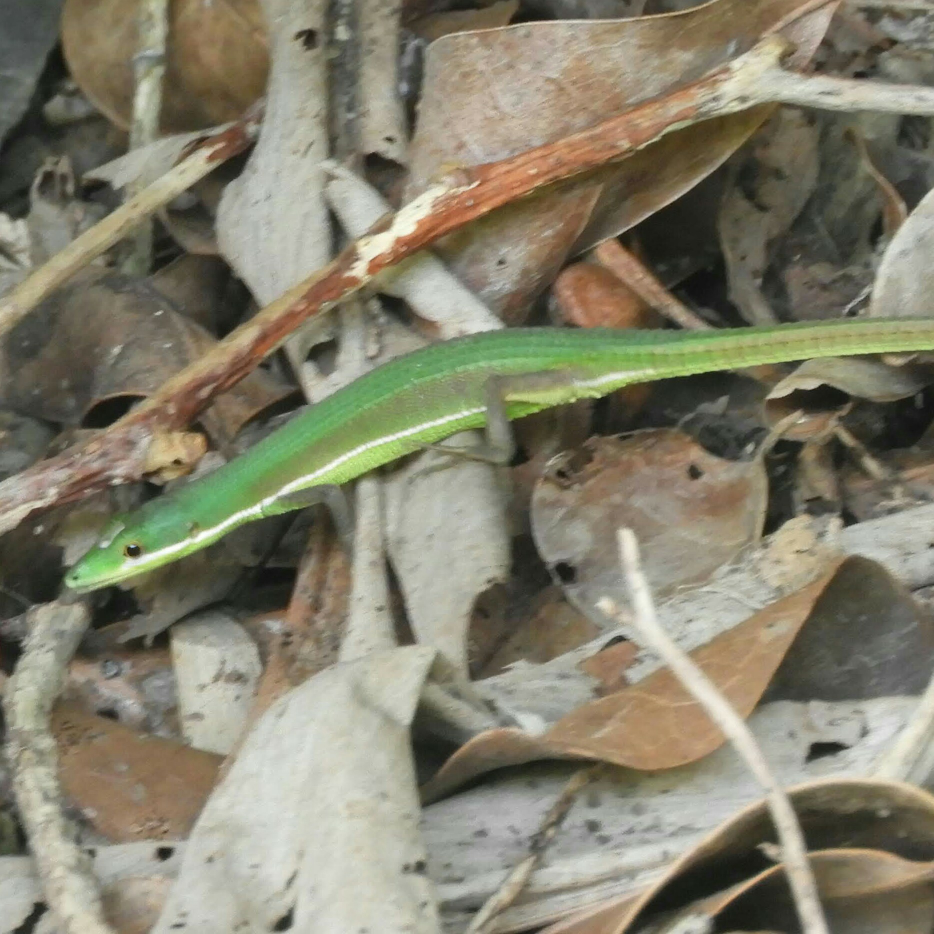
[[823, 750], [308, 38], [285, 922]]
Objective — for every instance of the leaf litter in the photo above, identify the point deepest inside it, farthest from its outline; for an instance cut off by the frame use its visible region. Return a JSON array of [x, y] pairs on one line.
[[395, 719]]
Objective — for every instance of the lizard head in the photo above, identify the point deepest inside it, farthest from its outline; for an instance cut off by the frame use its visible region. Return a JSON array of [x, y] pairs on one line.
[[133, 544]]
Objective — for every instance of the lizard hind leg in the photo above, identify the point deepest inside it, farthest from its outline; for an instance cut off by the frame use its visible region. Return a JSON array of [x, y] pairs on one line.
[[539, 390], [332, 496]]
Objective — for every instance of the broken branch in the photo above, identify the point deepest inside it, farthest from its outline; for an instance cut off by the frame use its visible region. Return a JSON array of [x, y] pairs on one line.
[[67, 881], [118, 454]]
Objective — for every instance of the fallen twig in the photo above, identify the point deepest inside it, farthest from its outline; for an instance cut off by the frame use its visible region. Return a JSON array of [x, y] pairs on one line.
[[512, 886], [911, 757], [615, 257], [63, 868], [793, 846], [118, 454]]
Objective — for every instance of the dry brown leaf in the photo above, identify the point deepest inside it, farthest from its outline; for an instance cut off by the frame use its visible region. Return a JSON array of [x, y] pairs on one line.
[[862, 891], [887, 816], [199, 287], [823, 390], [490, 94], [866, 637], [609, 665], [658, 725], [435, 25], [590, 296], [129, 785], [549, 627], [105, 341], [691, 510], [655, 724], [216, 68], [894, 209]]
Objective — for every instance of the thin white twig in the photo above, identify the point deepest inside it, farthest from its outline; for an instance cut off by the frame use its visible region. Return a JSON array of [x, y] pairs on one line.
[[64, 869], [911, 756], [148, 72], [511, 887], [847, 95], [705, 692]]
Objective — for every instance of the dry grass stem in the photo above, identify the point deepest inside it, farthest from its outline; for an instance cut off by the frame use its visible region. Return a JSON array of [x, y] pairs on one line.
[[793, 846], [512, 886], [152, 18]]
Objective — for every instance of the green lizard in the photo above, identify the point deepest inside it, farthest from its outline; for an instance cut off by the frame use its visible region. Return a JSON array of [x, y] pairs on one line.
[[425, 396]]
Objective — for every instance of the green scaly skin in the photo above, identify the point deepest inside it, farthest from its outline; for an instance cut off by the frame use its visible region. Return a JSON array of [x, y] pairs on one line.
[[430, 394]]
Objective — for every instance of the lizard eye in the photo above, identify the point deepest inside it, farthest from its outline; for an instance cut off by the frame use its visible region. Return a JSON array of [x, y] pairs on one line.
[[132, 550]]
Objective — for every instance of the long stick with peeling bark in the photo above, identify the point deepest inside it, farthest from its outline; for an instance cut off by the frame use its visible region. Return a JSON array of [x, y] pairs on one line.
[[118, 455]]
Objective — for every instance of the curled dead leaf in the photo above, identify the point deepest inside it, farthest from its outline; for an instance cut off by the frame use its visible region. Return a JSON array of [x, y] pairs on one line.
[[822, 391], [104, 341], [905, 279], [860, 890], [692, 511], [894, 210], [654, 724], [554, 78], [891, 817]]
